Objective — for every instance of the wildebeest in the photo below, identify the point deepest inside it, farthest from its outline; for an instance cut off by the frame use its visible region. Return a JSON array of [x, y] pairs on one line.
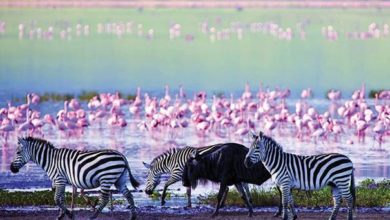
[[225, 165]]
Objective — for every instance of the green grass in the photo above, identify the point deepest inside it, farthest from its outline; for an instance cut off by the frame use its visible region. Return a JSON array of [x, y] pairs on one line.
[[369, 194], [102, 62], [34, 198]]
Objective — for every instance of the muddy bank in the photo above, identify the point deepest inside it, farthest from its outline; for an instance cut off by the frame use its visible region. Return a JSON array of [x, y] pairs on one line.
[[203, 212]]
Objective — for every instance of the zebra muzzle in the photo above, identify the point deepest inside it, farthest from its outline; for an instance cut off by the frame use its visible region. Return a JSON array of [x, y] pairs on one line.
[[13, 168]]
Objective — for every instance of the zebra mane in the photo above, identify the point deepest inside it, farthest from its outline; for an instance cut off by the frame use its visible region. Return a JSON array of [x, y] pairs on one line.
[[270, 142], [165, 155], [30, 139]]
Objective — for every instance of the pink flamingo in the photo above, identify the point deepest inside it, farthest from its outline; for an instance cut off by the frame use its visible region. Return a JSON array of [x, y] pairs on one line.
[[26, 126], [306, 93], [380, 130], [334, 95]]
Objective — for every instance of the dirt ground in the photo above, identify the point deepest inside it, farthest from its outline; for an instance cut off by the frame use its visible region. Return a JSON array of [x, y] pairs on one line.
[[44, 214]]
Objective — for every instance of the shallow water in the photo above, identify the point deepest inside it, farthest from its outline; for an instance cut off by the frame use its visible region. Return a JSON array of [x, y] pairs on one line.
[[138, 146]]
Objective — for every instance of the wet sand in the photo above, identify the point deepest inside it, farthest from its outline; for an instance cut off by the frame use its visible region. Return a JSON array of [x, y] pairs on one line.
[[143, 214]]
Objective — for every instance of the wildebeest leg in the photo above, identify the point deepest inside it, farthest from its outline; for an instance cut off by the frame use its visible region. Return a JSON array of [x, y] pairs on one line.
[[222, 189], [189, 197], [224, 198], [279, 212], [170, 181], [244, 196]]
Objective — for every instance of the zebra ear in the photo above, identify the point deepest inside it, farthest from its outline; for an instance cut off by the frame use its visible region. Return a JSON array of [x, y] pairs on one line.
[[253, 135], [147, 165], [20, 140], [193, 155], [261, 134]]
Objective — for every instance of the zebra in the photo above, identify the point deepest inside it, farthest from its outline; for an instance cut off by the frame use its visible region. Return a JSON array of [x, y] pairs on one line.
[[173, 162], [81, 169], [290, 171]]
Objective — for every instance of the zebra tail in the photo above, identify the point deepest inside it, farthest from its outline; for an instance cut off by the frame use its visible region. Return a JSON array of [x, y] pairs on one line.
[[353, 191], [133, 181]]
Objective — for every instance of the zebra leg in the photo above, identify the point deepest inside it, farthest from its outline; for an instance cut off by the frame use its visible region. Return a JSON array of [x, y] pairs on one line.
[[103, 200], [291, 202], [224, 198], [241, 190], [346, 194], [121, 186], [285, 199], [74, 195], [279, 212], [336, 202], [247, 191], [88, 200], [59, 198], [168, 183], [222, 189], [189, 205]]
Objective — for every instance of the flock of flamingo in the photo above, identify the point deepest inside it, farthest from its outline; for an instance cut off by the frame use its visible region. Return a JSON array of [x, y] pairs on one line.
[[266, 110], [235, 30]]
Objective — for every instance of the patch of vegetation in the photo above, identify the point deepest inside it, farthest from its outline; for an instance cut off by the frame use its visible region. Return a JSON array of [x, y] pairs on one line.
[[130, 97], [374, 92], [87, 95], [219, 94], [368, 194], [36, 198], [157, 195], [56, 97]]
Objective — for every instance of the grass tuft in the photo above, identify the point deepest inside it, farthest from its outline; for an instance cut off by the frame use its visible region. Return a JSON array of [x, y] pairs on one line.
[[369, 194]]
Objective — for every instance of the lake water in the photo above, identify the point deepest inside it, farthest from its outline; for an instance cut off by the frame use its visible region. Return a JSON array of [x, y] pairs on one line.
[[138, 146]]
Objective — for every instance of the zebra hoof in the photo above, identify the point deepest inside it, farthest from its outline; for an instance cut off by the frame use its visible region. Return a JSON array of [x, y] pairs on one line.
[[277, 214], [215, 214], [250, 214], [162, 203], [70, 215], [133, 216], [295, 217], [93, 217], [61, 215]]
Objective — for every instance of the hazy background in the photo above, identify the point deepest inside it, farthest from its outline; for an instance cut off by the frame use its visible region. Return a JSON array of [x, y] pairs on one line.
[[105, 62]]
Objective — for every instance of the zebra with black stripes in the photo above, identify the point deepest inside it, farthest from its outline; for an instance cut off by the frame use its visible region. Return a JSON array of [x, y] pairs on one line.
[[290, 171], [172, 162], [81, 169]]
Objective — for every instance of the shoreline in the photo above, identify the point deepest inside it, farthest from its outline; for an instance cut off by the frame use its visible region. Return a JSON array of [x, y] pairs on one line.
[[239, 5], [197, 212]]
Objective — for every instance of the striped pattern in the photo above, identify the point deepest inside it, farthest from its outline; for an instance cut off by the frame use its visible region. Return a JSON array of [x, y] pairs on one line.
[[172, 162], [290, 171], [81, 169]]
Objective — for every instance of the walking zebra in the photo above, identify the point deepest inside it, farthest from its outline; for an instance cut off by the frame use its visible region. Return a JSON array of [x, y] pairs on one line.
[[290, 171], [82, 169], [172, 162]]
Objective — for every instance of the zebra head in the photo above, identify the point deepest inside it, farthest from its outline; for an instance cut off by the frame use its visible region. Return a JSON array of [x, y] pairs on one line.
[[154, 177], [256, 152], [22, 155]]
